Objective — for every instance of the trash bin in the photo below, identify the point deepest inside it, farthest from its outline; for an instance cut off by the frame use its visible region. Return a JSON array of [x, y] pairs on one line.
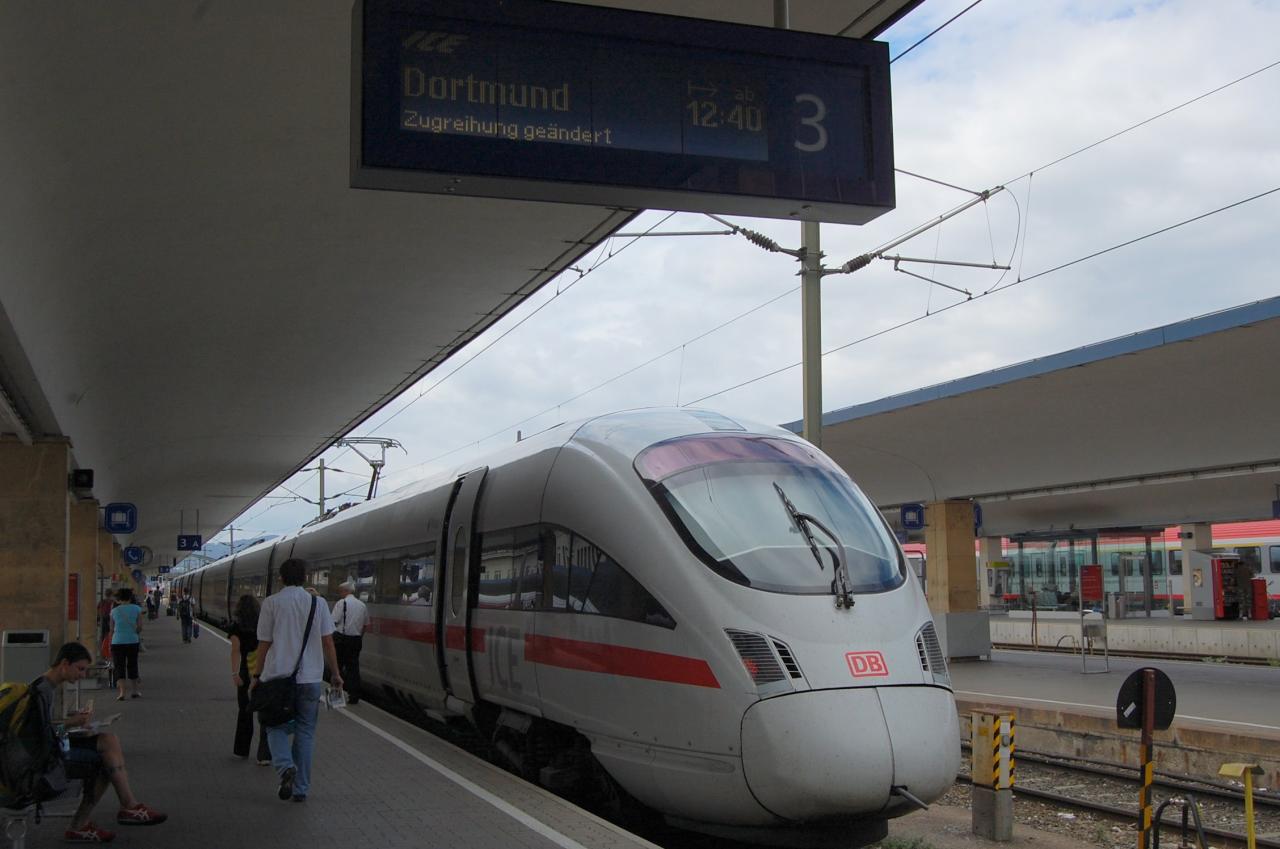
[[1117, 605], [24, 655]]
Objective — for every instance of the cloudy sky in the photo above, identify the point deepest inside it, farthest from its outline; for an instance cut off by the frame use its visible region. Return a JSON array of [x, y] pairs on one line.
[[993, 99]]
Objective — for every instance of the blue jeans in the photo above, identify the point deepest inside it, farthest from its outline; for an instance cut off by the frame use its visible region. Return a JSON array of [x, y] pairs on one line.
[[306, 702]]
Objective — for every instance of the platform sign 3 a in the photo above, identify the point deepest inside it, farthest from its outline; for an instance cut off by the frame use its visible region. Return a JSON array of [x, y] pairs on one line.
[[190, 542]]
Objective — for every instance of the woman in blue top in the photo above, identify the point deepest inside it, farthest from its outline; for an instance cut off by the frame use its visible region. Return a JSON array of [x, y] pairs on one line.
[[126, 636]]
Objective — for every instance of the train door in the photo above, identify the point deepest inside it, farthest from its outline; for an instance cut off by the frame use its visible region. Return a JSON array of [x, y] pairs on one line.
[[454, 637]]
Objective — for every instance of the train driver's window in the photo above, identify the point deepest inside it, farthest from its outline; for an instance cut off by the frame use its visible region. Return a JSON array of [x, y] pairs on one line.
[[1275, 558]]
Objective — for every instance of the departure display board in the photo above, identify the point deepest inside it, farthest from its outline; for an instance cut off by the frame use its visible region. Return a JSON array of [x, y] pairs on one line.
[[565, 102]]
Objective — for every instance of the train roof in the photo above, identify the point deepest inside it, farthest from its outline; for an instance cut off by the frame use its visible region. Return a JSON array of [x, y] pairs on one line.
[[623, 434]]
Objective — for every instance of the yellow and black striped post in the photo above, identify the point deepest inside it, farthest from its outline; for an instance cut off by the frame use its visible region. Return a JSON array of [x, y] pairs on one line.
[[1148, 728], [1002, 746]]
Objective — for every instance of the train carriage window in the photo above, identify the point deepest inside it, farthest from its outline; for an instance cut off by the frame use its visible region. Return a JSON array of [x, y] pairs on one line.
[[387, 581], [318, 579], [585, 579], [1252, 557], [527, 560], [497, 573], [1157, 562], [1274, 556], [561, 550], [1175, 562], [417, 577]]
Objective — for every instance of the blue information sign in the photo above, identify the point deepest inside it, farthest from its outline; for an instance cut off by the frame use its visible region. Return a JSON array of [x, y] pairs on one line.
[[912, 516], [120, 517], [137, 575], [584, 104], [190, 542], [163, 570], [133, 555]]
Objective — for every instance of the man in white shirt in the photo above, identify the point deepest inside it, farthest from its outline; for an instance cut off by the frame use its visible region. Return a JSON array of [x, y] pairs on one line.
[[281, 625], [350, 616]]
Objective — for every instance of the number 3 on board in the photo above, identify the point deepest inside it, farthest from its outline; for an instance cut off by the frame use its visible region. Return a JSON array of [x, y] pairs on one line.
[[815, 121]]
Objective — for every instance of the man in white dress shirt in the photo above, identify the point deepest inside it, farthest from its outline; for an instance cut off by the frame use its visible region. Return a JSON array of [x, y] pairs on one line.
[[350, 616]]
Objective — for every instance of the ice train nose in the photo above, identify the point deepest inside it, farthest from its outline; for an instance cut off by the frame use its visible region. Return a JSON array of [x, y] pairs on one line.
[[838, 753]]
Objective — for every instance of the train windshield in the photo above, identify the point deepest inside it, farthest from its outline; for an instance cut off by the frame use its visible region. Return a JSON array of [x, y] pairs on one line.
[[721, 493]]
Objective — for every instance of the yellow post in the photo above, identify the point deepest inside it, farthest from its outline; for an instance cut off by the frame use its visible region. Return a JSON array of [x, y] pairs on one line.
[[1245, 772], [981, 731]]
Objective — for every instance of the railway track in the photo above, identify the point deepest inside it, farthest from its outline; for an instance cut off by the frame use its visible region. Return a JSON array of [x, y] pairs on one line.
[[1110, 790]]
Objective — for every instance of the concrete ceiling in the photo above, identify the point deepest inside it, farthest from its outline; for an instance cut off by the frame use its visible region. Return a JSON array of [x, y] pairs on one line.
[[1170, 425], [190, 291]]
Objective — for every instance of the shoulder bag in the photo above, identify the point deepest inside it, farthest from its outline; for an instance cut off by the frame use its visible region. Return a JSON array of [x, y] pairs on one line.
[[274, 699]]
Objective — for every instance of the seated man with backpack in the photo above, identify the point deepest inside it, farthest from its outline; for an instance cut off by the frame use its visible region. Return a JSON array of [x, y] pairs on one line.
[[98, 759]]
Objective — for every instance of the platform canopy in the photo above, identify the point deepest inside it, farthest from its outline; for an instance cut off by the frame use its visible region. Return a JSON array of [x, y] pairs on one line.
[[191, 292], [1170, 425]]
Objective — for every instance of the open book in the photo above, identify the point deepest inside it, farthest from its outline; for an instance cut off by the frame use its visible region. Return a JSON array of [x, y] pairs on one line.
[[96, 726]]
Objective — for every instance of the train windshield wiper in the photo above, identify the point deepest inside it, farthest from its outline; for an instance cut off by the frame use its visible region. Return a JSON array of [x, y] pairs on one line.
[[841, 587]]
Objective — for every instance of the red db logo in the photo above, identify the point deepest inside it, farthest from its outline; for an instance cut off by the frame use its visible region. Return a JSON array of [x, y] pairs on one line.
[[864, 664]]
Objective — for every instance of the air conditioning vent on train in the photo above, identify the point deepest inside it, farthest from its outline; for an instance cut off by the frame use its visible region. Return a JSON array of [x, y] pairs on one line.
[[788, 659], [757, 657], [931, 657]]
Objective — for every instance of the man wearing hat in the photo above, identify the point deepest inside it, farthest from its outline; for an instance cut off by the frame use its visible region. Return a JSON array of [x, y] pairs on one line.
[[350, 615]]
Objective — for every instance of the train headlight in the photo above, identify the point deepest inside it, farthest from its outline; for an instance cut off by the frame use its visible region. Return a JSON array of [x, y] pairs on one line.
[[931, 657]]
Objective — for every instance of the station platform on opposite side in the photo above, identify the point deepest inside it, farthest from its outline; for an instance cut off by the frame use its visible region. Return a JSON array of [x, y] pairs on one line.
[[376, 780], [1160, 634], [1224, 712]]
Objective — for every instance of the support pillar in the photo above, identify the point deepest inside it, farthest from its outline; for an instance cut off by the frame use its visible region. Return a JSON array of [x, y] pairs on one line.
[[1197, 536], [34, 526], [82, 563], [952, 590]]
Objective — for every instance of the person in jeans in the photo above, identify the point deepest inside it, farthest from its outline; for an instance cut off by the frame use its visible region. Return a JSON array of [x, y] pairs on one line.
[[126, 640], [244, 660], [281, 625], [96, 759]]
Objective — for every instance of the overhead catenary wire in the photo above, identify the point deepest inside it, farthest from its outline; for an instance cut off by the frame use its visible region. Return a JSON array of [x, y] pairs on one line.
[[988, 293]]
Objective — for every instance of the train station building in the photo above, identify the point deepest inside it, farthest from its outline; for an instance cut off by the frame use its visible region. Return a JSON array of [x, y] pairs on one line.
[[203, 202]]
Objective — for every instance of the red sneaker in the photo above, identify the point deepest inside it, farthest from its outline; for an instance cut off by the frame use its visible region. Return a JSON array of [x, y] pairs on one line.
[[89, 834], [140, 814]]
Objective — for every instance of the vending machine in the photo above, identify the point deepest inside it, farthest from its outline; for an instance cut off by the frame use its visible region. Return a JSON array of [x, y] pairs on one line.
[[1212, 585]]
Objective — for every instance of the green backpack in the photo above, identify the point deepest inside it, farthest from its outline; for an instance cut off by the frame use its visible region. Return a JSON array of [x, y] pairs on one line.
[[31, 766]]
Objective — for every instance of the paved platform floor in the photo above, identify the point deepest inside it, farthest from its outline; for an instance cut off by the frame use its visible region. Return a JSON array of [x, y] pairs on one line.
[[376, 781]]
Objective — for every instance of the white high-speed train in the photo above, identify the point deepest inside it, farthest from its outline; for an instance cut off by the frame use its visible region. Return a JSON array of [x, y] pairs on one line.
[[709, 612]]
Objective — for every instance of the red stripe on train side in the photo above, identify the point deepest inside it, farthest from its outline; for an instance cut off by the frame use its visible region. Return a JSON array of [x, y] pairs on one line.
[[425, 632], [618, 660], [404, 629]]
